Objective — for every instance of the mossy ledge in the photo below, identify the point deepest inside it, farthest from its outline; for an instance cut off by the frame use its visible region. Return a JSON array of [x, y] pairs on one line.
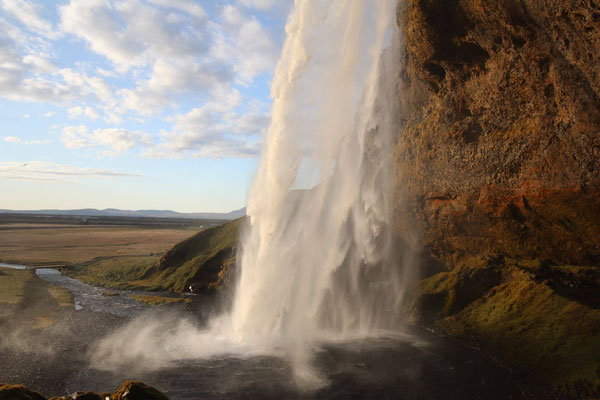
[[523, 311]]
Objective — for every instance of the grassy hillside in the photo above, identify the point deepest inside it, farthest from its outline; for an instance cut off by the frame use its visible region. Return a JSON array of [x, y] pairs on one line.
[[534, 315], [202, 261]]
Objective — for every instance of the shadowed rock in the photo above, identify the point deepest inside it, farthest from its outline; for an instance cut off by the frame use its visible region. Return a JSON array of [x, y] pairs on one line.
[[130, 390], [17, 392]]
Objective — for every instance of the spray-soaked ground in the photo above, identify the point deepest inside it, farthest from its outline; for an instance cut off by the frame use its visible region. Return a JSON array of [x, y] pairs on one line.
[[419, 365], [374, 369], [407, 367]]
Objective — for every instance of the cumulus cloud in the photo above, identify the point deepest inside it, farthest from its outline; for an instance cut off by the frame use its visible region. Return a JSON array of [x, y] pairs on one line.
[[29, 15], [38, 141], [16, 139], [27, 72], [114, 140], [79, 111], [245, 40], [260, 4], [135, 33], [52, 172], [159, 54], [39, 63], [218, 129], [172, 45]]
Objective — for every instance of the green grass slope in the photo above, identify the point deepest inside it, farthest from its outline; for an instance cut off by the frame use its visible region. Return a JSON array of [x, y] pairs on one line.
[[535, 315], [202, 261]]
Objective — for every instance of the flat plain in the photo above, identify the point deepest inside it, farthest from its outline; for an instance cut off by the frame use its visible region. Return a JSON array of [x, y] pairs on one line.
[[68, 242]]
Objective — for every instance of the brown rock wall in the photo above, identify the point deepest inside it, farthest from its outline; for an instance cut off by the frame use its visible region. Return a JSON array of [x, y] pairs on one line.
[[499, 150]]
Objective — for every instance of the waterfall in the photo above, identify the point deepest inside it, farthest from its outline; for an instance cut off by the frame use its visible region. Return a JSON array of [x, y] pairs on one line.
[[317, 262], [311, 261]]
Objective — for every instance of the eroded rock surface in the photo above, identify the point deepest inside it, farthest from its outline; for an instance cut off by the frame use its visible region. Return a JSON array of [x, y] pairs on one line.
[[500, 148]]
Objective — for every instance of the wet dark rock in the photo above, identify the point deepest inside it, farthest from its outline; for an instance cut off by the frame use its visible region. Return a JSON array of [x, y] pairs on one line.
[[132, 390], [17, 392]]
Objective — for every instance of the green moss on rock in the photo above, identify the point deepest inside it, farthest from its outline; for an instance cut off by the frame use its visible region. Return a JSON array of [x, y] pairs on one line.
[[514, 308]]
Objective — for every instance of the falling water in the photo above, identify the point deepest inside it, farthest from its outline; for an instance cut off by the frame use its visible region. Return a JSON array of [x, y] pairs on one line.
[[316, 261], [311, 261]]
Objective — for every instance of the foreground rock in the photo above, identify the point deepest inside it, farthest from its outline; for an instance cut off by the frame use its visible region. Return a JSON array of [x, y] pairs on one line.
[[497, 183], [130, 390], [16, 392]]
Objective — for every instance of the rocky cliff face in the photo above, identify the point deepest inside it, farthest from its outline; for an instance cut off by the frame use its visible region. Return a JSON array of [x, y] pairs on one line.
[[501, 144], [497, 166]]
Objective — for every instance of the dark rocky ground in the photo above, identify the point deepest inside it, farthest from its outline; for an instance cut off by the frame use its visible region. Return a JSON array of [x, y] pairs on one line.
[[54, 362]]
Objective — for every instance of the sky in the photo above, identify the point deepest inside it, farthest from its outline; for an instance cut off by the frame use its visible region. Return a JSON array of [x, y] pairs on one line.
[[134, 104]]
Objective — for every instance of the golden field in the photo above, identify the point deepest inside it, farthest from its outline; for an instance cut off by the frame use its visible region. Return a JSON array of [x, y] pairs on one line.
[[37, 244]]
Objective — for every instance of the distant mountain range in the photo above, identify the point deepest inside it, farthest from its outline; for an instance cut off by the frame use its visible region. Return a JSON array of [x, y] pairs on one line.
[[112, 212]]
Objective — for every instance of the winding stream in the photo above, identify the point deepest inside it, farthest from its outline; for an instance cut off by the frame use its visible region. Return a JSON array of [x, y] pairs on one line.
[[13, 266], [90, 297], [87, 296]]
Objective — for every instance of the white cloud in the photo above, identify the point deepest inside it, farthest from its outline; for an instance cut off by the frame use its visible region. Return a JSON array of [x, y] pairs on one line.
[[28, 14], [39, 63], [53, 172], [188, 6], [15, 139], [78, 111], [49, 114], [106, 73], [85, 85], [159, 52], [132, 32], [218, 129], [264, 5], [116, 140], [39, 141], [244, 41], [27, 73], [171, 46]]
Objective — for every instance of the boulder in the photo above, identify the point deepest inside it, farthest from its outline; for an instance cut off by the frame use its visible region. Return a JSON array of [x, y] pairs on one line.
[[132, 390], [17, 392]]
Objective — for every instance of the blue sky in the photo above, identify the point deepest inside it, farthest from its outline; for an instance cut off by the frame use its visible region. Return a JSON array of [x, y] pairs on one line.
[[134, 104]]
